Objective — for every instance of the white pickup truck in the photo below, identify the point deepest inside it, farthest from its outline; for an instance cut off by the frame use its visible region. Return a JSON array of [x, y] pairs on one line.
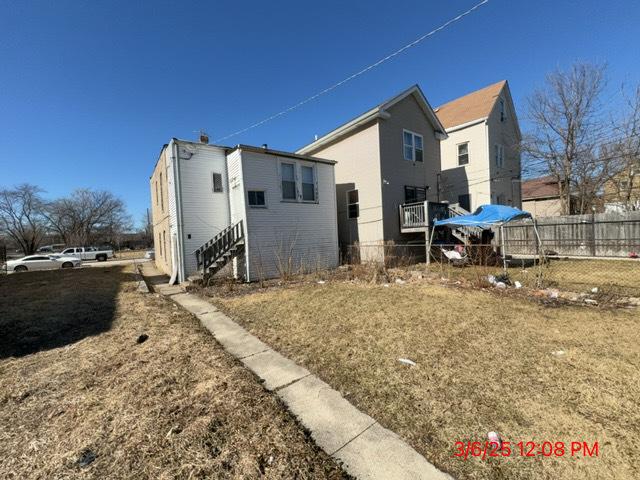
[[88, 253]]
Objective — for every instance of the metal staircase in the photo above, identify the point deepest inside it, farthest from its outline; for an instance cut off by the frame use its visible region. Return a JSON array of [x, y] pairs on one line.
[[218, 251], [462, 233]]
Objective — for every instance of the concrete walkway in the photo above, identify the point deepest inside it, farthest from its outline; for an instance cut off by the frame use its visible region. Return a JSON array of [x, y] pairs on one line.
[[366, 449]]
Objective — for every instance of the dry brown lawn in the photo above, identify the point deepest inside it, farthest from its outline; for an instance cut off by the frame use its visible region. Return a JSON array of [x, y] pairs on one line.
[[74, 383], [617, 277], [484, 363]]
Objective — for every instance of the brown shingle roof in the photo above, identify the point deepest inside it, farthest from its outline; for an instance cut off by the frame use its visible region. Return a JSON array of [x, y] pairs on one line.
[[541, 187], [472, 106]]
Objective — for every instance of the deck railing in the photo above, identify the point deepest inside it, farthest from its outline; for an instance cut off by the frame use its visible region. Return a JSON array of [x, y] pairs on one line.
[[412, 215]]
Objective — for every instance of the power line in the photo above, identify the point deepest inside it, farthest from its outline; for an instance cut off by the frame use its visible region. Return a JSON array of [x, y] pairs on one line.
[[355, 75]]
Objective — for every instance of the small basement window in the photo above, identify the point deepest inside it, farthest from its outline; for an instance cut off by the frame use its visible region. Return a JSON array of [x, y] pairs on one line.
[[257, 198], [217, 182], [353, 205]]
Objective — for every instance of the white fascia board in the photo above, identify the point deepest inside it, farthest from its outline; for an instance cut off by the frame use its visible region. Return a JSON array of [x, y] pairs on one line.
[[468, 124]]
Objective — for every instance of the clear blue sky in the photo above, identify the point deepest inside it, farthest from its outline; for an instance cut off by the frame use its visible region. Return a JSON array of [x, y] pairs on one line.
[[90, 91]]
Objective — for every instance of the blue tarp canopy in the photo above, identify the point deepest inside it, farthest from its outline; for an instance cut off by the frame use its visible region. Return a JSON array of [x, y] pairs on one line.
[[485, 216]]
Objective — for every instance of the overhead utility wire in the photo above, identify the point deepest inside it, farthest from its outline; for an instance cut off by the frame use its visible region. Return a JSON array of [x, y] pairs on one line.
[[357, 74]]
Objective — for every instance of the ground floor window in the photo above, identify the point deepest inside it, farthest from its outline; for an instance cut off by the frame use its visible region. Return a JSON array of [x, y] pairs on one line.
[[414, 194], [256, 198], [465, 201], [353, 204]]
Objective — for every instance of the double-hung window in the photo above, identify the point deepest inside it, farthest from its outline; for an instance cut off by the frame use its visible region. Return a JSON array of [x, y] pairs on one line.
[[463, 153], [412, 146], [308, 184], [288, 173]]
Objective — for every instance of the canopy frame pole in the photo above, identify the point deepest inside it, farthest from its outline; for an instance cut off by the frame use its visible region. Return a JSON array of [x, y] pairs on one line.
[[429, 243], [504, 252]]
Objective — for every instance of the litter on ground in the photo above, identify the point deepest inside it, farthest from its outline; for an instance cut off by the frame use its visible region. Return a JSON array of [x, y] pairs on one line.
[[406, 361]]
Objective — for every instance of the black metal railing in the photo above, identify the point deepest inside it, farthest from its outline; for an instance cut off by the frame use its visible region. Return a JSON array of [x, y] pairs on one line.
[[215, 249]]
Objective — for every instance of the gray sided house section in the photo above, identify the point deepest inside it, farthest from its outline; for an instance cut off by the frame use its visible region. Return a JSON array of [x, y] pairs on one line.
[[281, 237], [396, 171], [371, 160]]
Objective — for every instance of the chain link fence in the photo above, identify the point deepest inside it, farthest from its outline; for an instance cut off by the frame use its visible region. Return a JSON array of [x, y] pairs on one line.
[[482, 263]]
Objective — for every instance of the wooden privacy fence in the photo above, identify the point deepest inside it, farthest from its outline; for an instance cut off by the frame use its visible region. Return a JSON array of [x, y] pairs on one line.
[[596, 235]]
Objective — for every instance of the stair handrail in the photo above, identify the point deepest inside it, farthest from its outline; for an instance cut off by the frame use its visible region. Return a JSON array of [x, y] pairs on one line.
[[214, 249]]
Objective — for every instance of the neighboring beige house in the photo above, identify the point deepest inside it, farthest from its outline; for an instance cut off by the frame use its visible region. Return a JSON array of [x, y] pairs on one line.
[[480, 156], [622, 192], [159, 189], [541, 197], [386, 157]]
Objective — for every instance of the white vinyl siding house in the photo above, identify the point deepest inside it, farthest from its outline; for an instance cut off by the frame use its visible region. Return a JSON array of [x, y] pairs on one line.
[[286, 203], [289, 233]]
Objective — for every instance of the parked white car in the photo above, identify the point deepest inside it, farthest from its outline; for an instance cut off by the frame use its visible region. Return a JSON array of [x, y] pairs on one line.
[[88, 253], [42, 262]]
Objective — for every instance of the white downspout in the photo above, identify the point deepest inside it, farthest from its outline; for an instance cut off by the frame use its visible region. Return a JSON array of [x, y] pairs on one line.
[[176, 177]]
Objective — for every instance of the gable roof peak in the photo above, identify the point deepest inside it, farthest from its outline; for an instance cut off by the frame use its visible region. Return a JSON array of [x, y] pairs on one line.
[[472, 106]]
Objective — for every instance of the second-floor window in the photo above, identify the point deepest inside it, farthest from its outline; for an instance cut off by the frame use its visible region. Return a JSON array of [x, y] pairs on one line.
[[288, 173], [412, 146], [308, 184], [217, 182], [463, 153], [499, 155], [161, 195]]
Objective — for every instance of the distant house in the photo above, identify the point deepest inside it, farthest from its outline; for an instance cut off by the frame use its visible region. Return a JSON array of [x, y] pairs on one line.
[[480, 155], [268, 213], [541, 197], [387, 157], [622, 192]]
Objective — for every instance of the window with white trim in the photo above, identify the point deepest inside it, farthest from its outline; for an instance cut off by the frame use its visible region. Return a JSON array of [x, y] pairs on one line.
[[412, 146], [353, 205], [256, 198], [499, 155], [463, 153], [308, 183], [217, 182], [288, 175]]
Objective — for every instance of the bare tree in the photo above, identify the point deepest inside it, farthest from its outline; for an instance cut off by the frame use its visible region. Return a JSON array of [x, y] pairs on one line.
[[22, 216], [567, 128], [88, 216]]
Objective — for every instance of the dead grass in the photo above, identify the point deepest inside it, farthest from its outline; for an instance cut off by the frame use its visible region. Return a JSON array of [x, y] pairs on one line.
[[73, 379], [620, 277], [129, 254], [484, 362]]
